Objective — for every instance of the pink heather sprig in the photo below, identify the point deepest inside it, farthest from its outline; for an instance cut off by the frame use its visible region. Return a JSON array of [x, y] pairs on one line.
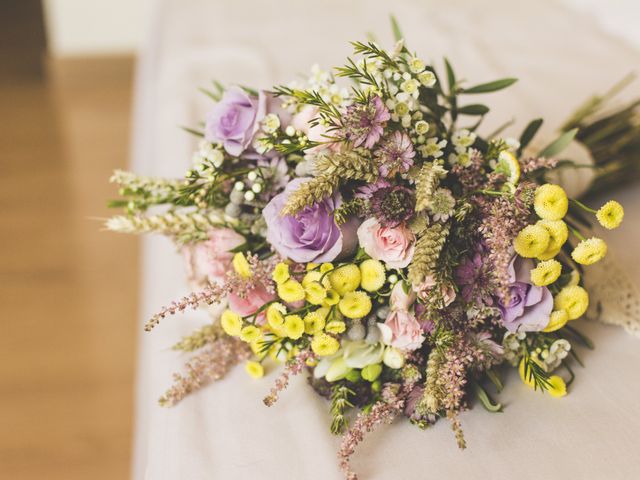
[[214, 293], [383, 411], [531, 164], [209, 365], [292, 368]]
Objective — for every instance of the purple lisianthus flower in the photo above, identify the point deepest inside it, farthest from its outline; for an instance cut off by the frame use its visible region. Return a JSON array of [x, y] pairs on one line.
[[312, 235], [528, 307], [235, 120]]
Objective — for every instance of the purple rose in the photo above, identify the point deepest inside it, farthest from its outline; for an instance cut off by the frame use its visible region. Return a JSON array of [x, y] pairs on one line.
[[529, 306], [235, 120], [312, 235]]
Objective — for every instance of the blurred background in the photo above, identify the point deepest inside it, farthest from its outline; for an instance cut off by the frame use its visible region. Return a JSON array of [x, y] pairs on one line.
[[69, 318]]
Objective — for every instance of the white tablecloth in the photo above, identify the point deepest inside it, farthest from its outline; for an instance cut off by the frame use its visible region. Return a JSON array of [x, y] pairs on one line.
[[224, 431]]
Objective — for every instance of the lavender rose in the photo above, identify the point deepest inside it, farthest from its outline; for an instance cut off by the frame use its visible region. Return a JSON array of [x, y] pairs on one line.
[[235, 120], [529, 306], [312, 235]]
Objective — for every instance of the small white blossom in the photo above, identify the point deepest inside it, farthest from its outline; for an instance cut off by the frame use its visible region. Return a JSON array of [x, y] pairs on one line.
[[428, 79], [271, 123], [410, 86], [416, 65], [433, 148], [463, 138], [421, 127]]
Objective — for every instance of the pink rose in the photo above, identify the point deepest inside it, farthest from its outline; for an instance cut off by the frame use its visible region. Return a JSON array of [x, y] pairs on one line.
[[424, 291], [249, 305], [317, 133], [211, 259], [392, 245], [401, 330], [399, 299]]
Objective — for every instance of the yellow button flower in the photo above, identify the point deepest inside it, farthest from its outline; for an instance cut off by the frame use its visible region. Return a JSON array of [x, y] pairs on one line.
[[241, 265], [532, 241], [550, 202], [326, 267], [316, 276], [254, 369], [231, 323], [589, 251], [345, 279], [332, 298], [355, 305], [291, 291], [372, 274], [546, 273], [335, 326], [573, 299], [275, 315], [557, 387], [558, 232], [250, 334], [557, 320], [610, 215], [324, 345], [280, 273], [314, 322], [315, 293], [293, 326], [311, 266]]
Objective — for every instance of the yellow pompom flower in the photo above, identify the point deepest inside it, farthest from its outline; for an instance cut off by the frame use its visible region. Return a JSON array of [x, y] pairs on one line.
[[610, 215], [335, 326], [250, 334], [546, 273], [324, 345], [573, 299], [345, 279], [558, 232], [550, 202], [275, 315], [372, 274], [532, 241], [314, 322], [556, 387], [291, 291], [332, 298], [241, 265], [231, 323], [311, 266], [316, 276], [293, 326], [254, 369], [280, 273], [557, 320], [315, 293], [589, 251], [548, 254], [355, 305], [326, 267]]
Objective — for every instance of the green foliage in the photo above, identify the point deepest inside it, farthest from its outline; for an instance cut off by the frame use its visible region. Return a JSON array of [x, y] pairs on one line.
[[340, 403]]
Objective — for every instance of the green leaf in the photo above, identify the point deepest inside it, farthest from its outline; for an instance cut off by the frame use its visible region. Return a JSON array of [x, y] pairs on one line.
[[586, 341], [213, 96], [475, 109], [495, 379], [197, 133], [558, 144], [395, 27], [491, 86], [486, 400], [451, 76], [528, 134]]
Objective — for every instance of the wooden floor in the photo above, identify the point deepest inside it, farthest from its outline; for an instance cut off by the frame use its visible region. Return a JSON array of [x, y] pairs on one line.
[[68, 290]]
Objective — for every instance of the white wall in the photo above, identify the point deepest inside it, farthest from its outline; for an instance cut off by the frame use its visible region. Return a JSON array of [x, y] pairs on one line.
[[95, 27]]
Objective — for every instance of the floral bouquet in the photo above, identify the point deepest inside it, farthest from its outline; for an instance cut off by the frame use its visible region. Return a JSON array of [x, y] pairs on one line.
[[370, 236]]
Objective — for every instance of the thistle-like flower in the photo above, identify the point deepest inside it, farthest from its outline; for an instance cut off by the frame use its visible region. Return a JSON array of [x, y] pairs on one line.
[[393, 205], [363, 124], [395, 154]]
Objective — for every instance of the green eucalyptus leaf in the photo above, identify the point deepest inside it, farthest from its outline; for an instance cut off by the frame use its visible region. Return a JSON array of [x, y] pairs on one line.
[[197, 133], [474, 109], [491, 86], [451, 76], [558, 144], [395, 27], [528, 133]]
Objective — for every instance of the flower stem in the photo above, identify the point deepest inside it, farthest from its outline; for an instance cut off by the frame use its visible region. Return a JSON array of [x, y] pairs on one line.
[[583, 206]]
